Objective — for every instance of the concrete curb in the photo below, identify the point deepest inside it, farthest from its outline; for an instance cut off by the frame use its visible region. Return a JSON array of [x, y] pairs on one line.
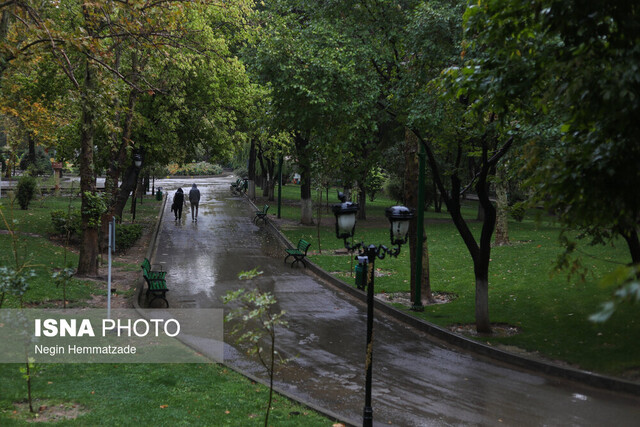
[[550, 369], [151, 252]]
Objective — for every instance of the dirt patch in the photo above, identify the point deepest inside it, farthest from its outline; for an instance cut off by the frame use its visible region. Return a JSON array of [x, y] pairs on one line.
[[351, 276], [47, 412], [404, 298], [125, 272], [497, 330]]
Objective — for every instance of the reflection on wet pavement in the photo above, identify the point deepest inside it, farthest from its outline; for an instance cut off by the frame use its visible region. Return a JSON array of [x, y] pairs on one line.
[[416, 381]]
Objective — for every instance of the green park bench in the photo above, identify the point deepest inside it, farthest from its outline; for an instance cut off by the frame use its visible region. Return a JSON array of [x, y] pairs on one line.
[[261, 215], [146, 266], [156, 282], [236, 185], [240, 185], [299, 253]]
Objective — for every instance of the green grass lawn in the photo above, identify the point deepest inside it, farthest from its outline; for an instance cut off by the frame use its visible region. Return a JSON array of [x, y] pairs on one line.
[[147, 394], [550, 310], [124, 394]]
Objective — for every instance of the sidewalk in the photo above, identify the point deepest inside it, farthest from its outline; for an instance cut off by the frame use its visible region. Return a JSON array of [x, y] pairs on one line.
[[416, 379]]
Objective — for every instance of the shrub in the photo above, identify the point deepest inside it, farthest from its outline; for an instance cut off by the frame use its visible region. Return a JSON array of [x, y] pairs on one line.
[[195, 169], [127, 235], [25, 191], [94, 208], [64, 222], [394, 189], [517, 211], [375, 179]]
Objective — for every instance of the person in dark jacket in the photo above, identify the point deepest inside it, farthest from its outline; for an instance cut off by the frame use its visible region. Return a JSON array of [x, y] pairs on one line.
[[194, 199], [178, 201]]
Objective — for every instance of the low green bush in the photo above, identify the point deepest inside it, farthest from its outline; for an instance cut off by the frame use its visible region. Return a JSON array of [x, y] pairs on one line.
[[66, 221], [26, 191], [394, 189], [127, 235], [517, 211], [200, 168]]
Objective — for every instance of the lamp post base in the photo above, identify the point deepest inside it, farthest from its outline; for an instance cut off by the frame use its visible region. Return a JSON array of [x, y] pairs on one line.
[[367, 418]]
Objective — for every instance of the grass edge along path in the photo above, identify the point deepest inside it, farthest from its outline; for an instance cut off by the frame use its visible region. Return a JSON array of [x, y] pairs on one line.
[[124, 394]]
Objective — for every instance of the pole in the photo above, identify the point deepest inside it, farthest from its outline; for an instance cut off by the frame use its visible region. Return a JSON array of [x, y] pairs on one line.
[[417, 302], [279, 185], [367, 417]]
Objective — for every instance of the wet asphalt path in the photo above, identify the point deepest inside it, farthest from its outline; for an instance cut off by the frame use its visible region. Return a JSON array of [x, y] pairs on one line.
[[416, 381]]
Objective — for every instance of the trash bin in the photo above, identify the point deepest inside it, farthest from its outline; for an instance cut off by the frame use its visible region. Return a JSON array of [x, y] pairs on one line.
[[361, 276], [159, 193]]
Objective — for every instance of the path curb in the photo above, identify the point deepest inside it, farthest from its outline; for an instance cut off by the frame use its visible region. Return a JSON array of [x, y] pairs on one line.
[[550, 369]]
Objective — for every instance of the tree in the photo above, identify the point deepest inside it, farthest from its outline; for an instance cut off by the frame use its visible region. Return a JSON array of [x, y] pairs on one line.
[[315, 87], [90, 43], [582, 58]]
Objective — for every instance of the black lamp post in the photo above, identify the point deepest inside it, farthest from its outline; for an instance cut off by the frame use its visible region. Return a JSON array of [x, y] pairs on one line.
[[399, 217]]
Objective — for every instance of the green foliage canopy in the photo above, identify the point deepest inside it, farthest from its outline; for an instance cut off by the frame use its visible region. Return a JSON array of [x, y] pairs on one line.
[[579, 61]]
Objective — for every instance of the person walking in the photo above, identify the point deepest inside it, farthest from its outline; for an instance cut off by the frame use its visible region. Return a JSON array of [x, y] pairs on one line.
[[194, 199], [178, 201]]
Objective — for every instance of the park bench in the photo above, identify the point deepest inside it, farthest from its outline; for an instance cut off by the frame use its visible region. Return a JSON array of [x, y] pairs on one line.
[[236, 185], [156, 282], [239, 186], [299, 253], [261, 215], [146, 266]]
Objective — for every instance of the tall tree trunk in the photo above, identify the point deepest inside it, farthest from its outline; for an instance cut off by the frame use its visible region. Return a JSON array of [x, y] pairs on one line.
[[304, 163], [251, 174], [271, 184], [362, 202], [480, 254], [437, 198], [88, 258], [481, 262], [147, 184], [633, 243], [306, 202], [121, 158], [129, 181], [502, 209], [480, 213]]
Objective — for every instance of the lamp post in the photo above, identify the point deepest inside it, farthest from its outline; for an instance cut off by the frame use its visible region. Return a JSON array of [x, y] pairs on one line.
[[399, 217]]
